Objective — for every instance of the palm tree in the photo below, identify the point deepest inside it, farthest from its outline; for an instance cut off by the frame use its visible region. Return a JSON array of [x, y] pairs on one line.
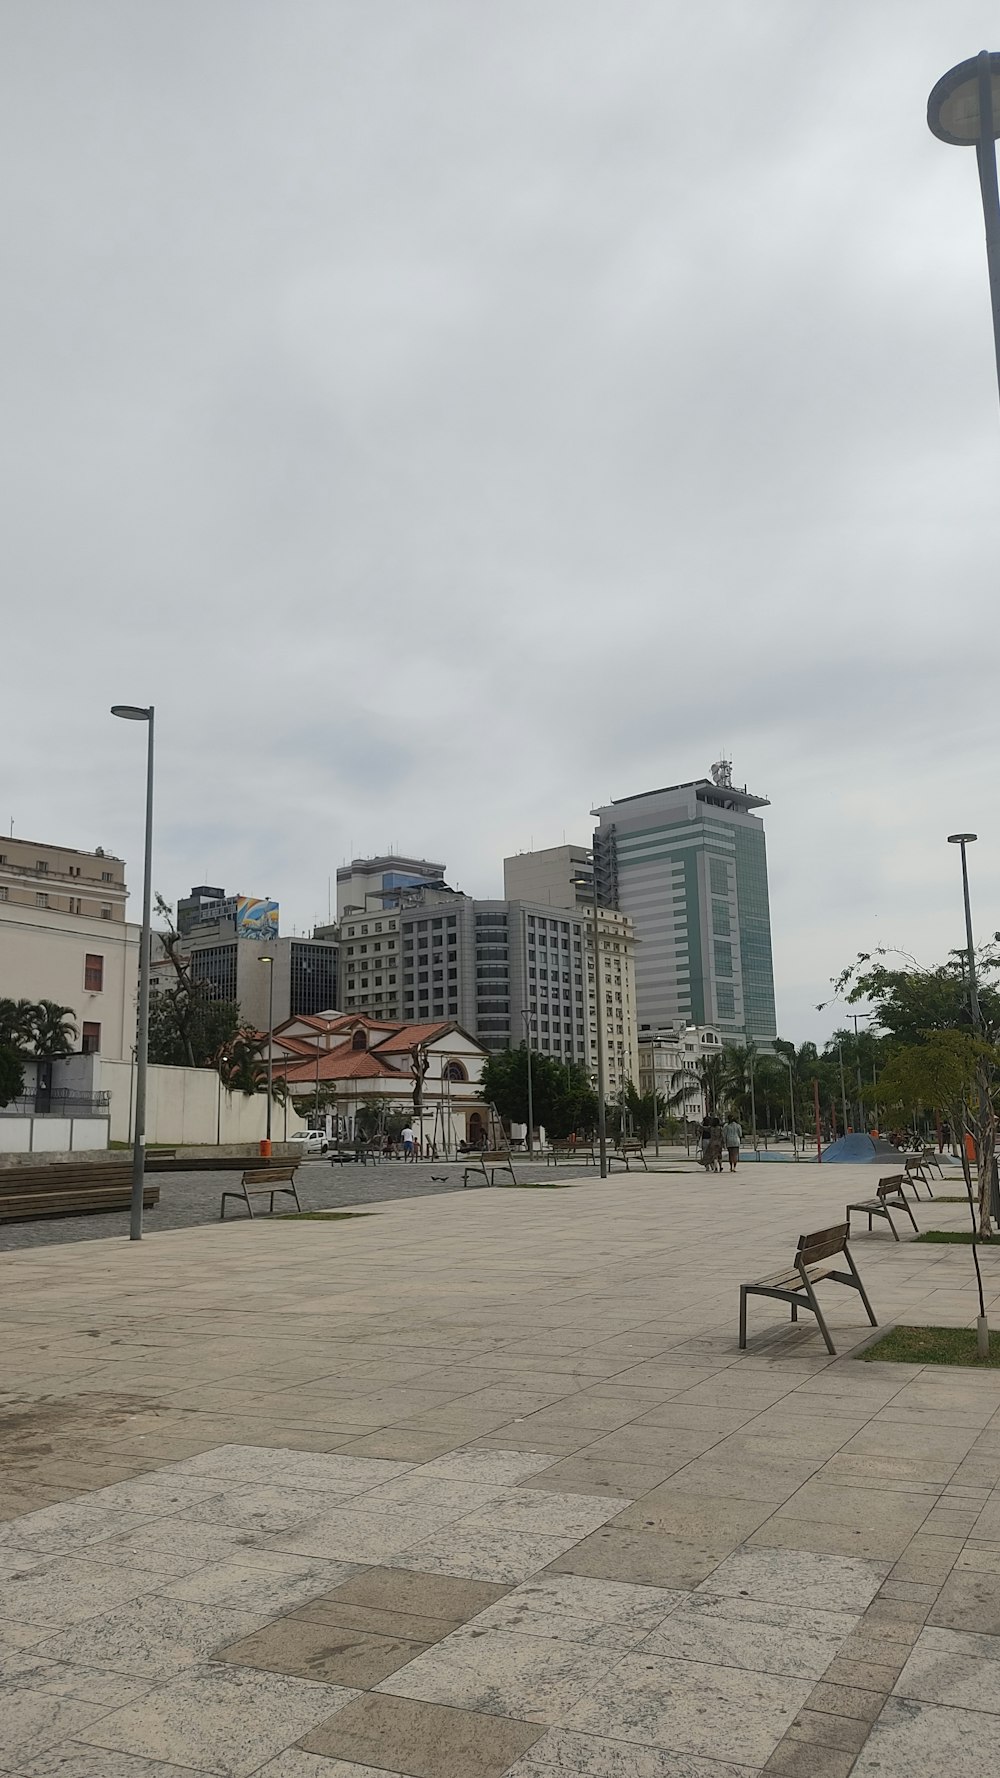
[[17, 1024], [53, 1030]]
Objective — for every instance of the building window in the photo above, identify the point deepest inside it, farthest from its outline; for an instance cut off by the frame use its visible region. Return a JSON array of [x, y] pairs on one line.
[[90, 1042], [105, 911], [41, 867], [93, 973], [107, 876], [3, 894], [41, 900]]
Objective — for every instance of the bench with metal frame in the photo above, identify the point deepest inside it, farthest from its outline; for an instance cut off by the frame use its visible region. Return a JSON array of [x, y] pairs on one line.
[[926, 1158], [263, 1182], [797, 1285], [489, 1162], [888, 1197], [623, 1150], [570, 1151], [915, 1167]]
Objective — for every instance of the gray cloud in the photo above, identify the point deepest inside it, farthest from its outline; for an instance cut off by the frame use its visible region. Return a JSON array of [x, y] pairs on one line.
[[454, 415]]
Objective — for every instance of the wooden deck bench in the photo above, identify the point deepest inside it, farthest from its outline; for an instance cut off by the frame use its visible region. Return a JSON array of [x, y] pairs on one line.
[[797, 1286], [63, 1189], [489, 1162], [888, 1197], [570, 1151], [263, 1181], [629, 1149]]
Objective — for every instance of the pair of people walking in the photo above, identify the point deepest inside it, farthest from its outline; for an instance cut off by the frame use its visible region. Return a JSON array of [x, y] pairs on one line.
[[716, 1136]]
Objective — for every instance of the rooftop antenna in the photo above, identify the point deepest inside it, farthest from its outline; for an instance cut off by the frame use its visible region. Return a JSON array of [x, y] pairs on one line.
[[722, 773]]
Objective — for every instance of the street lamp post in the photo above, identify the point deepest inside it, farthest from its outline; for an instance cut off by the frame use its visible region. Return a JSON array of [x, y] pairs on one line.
[[139, 713], [843, 1083], [982, 1326], [964, 108], [269, 961], [602, 1122], [791, 1098], [527, 1050]]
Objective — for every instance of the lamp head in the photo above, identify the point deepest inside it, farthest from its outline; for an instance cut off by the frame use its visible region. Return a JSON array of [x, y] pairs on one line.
[[953, 106], [268, 960], [962, 839], [132, 712]]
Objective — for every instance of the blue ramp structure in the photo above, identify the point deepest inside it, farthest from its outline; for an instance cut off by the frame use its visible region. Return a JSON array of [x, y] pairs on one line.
[[859, 1147]]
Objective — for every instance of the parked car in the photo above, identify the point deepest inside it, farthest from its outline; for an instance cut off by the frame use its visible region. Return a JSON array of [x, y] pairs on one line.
[[311, 1141]]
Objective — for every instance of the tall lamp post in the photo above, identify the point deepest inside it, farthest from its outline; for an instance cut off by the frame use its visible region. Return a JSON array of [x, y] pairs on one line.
[[527, 1050], [602, 1121], [268, 962], [139, 713], [791, 1098], [964, 108], [963, 840]]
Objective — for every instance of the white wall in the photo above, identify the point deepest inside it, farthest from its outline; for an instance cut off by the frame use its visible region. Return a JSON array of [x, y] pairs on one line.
[[52, 1135], [42, 957], [188, 1105]]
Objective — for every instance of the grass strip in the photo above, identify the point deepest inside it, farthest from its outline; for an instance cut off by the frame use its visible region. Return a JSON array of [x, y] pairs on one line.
[[321, 1215], [932, 1345], [956, 1238]]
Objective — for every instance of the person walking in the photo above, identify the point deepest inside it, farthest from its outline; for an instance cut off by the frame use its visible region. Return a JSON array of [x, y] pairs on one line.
[[732, 1136], [406, 1138], [715, 1146], [705, 1140]]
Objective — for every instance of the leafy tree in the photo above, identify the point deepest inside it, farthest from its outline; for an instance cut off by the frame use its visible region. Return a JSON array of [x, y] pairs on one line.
[[563, 1099], [188, 1025], [11, 1074]]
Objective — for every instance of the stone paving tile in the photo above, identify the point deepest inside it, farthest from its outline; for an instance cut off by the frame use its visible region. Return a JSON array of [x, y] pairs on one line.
[[294, 1763], [67, 1589], [691, 1707], [505, 1674], [323, 1651], [795, 1577], [595, 1756], [71, 1759], [915, 1740], [969, 1600], [952, 1667], [503, 1556], [672, 1507], [291, 1468], [747, 1633], [151, 1639], [222, 1720], [32, 1721], [422, 1739], [574, 1608], [650, 1558]]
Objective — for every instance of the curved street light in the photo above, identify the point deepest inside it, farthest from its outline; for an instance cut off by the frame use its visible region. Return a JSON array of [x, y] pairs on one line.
[[964, 110]]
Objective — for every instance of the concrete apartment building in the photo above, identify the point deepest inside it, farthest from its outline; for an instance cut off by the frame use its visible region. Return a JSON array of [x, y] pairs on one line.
[[493, 966], [368, 885], [64, 937], [563, 876], [226, 936], [667, 1057], [689, 865]]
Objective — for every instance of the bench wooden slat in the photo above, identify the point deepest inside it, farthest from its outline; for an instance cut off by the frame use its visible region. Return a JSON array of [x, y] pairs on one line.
[[813, 1248], [258, 1181]]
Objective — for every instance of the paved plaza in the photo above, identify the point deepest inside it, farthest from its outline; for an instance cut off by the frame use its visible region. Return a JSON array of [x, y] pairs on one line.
[[480, 1484]]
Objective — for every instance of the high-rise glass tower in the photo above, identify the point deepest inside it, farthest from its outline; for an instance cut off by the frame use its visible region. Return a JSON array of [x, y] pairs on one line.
[[689, 864]]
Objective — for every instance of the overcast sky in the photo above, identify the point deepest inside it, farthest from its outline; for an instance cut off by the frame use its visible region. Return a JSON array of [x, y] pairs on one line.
[[456, 413]]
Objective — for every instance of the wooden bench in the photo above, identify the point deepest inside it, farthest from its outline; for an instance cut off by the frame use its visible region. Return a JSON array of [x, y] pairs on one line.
[[63, 1189], [927, 1158], [888, 1197], [570, 1151], [629, 1149], [263, 1181], [797, 1286], [489, 1163]]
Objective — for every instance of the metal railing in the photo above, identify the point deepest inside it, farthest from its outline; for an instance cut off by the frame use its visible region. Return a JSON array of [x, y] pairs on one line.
[[60, 1102]]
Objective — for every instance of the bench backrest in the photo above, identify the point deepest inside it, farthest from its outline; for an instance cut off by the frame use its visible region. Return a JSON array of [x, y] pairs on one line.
[[891, 1186], [495, 1154], [820, 1245], [268, 1175], [60, 1177]]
